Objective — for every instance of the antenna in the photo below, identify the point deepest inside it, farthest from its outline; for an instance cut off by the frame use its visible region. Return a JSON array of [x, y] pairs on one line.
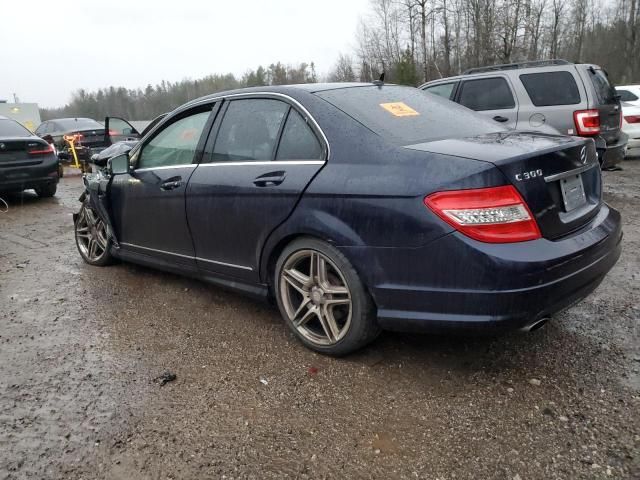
[[380, 81]]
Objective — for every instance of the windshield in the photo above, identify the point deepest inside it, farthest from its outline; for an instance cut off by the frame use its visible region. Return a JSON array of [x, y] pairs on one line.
[[9, 128], [78, 124], [406, 115]]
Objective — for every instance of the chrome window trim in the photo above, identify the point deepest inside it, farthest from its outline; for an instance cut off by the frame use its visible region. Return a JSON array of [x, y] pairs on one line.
[[166, 167], [242, 267], [264, 162]]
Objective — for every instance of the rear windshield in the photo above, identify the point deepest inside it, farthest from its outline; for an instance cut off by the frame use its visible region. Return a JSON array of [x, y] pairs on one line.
[[78, 124], [9, 128], [604, 91], [551, 88], [405, 115]]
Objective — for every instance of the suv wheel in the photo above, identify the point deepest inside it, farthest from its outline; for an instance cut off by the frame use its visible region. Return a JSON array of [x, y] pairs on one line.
[[322, 299]]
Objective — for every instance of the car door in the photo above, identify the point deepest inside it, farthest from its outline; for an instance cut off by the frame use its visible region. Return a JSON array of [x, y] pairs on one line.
[[490, 96], [117, 129], [148, 205], [264, 154]]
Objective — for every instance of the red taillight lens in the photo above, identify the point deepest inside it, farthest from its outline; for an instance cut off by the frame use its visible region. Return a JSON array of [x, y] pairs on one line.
[[493, 215], [632, 118], [587, 122], [41, 150]]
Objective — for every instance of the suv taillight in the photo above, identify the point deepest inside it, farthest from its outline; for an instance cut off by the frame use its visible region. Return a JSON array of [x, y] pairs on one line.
[[587, 122], [632, 118], [493, 215]]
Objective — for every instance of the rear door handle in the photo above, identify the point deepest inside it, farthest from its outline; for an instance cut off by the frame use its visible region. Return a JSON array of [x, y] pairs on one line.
[[171, 184], [500, 118], [270, 179]]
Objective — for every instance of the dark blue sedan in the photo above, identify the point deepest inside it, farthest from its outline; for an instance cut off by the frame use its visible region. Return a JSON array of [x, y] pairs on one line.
[[359, 207]]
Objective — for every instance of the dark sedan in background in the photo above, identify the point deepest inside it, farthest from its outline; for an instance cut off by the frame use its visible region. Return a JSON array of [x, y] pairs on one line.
[[90, 137], [26, 161], [359, 207]]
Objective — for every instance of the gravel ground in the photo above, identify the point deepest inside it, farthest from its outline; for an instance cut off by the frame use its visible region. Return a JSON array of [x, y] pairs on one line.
[[81, 349]]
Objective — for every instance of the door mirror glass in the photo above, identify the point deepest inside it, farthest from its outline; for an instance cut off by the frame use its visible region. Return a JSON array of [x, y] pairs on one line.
[[119, 165]]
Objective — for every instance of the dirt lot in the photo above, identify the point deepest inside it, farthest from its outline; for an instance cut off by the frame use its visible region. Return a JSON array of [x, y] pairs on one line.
[[80, 348]]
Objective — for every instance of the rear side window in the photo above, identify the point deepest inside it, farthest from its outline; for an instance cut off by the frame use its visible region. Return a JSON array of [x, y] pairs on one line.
[[486, 94], [443, 90], [405, 116], [626, 95], [298, 140], [9, 128], [249, 130], [604, 91], [551, 88]]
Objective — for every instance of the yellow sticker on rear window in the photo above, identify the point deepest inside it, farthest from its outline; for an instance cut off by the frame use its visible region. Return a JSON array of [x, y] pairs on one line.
[[399, 109]]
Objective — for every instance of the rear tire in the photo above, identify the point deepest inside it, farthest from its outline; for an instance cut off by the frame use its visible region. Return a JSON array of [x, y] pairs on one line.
[[46, 191], [322, 298]]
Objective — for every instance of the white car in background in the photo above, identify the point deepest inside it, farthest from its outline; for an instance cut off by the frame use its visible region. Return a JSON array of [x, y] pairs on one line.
[[631, 126], [629, 94]]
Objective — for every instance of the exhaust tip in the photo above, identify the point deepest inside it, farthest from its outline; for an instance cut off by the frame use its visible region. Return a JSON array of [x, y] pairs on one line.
[[536, 325]]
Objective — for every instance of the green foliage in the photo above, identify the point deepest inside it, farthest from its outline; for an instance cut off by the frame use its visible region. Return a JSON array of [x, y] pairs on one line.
[[406, 72], [147, 103]]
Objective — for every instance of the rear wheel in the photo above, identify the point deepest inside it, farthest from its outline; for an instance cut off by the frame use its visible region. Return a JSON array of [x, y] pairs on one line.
[[322, 298], [91, 238], [46, 191]]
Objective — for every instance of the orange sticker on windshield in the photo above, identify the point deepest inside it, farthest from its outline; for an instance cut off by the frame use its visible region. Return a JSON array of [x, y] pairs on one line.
[[399, 109]]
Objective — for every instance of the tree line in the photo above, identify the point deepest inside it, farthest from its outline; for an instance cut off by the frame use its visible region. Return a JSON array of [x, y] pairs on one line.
[[413, 41]]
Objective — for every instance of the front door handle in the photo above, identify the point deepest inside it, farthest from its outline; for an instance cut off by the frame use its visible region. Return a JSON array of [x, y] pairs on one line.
[[500, 118], [171, 184], [270, 179]]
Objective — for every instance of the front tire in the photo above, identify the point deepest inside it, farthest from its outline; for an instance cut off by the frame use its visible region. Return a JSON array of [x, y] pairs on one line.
[[322, 299], [91, 238]]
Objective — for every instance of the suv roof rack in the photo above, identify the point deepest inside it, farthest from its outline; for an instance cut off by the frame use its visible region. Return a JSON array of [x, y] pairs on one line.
[[515, 66]]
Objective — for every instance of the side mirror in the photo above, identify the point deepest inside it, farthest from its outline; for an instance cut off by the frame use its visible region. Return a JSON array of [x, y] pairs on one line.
[[119, 165]]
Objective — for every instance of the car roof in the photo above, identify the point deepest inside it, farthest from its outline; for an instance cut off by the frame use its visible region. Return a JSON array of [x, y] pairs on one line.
[[287, 89], [529, 67]]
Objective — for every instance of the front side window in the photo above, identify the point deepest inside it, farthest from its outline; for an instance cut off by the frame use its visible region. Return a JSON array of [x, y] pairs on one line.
[[487, 94], [551, 88], [249, 130], [298, 141], [443, 90], [175, 144]]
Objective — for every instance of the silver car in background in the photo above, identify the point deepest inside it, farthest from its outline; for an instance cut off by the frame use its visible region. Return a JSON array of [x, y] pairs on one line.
[[552, 96]]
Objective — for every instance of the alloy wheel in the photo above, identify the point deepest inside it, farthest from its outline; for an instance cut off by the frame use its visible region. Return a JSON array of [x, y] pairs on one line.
[[316, 297], [91, 235]]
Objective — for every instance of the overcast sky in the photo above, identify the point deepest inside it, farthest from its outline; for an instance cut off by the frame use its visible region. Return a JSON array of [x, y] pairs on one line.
[[50, 48]]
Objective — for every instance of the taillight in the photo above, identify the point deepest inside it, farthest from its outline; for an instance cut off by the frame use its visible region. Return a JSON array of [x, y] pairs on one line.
[[40, 149], [493, 215], [587, 122], [632, 118]]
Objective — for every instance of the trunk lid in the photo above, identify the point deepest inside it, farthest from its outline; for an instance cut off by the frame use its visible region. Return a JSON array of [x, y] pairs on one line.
[[558, 177], [14, 152], [90, 138]]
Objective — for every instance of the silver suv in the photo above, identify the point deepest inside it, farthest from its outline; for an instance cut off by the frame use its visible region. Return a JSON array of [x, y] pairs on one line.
[[552, 96]]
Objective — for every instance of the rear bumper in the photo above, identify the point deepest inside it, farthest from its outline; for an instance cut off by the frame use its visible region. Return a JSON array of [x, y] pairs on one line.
[[613, 154], [32, 176], [456, 283]]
